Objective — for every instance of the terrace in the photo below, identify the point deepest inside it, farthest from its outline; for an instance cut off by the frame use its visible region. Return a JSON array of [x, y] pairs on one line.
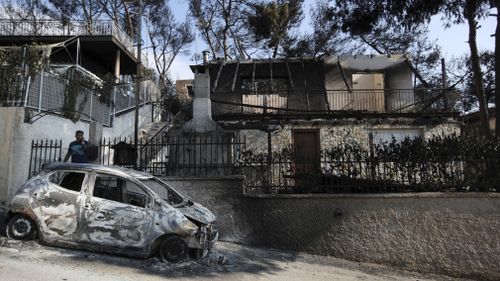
[[99, 38]]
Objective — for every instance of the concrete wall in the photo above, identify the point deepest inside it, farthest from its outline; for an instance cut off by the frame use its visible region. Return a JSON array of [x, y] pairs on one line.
[[16, 143], [7, 128], [123, 124], [16, 137], [447, 233]]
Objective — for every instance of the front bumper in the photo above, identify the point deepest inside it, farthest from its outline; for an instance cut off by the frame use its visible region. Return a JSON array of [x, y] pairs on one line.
[[207, 236]]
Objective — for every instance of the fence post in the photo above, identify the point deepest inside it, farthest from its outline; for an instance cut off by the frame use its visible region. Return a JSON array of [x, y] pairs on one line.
[[91, 105], [40, 92], [372, 156], [31, 158], [28, 83]]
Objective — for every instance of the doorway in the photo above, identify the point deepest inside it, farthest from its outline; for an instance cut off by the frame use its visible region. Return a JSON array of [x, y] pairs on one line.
[[306, 165], [368, 91]]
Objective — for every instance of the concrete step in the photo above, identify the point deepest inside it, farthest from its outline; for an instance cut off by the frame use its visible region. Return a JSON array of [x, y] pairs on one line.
[[150, 130]]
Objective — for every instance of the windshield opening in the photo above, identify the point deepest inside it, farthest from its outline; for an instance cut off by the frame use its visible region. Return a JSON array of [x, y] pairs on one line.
[[164, 191]]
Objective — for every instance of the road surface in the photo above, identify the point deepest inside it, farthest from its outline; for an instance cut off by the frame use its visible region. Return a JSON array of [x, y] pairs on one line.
[[30, 261]]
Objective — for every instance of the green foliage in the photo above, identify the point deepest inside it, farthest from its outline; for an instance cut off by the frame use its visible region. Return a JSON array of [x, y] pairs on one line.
[[105, 90], [79, 84], [272, 21], [460, 76], [16, 65], [440, 163]]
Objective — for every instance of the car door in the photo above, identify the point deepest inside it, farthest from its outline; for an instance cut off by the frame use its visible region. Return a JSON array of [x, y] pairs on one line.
[[117, 214], [58, 206]]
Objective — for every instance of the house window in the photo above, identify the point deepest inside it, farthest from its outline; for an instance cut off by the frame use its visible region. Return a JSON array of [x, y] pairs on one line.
[[264, 85], [398, 134], [264, 93]]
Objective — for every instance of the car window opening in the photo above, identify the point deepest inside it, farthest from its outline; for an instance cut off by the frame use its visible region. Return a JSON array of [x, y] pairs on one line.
[[119, 190], [68, 180]]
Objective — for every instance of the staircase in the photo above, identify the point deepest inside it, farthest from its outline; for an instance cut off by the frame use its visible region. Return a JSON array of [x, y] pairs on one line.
[[150, 131], [153, 141]]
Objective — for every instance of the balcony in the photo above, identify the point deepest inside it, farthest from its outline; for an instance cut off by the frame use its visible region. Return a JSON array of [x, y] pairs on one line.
[[374, 101], [53, 28]]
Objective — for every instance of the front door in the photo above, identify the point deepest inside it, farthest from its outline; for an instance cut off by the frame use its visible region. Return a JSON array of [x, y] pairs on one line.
[[117, 214], [307, 158]]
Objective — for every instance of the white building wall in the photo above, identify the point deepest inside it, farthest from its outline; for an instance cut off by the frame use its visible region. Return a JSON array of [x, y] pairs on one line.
[[16, 137], [123, 125]]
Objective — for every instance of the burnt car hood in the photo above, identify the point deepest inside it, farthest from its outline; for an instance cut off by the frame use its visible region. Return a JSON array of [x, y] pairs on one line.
[[197, 212]]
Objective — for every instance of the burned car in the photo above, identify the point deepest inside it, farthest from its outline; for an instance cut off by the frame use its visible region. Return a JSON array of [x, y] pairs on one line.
[[110, 209]]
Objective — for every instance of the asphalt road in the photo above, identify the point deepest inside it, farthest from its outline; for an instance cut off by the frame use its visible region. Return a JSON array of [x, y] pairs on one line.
[[30, 261]]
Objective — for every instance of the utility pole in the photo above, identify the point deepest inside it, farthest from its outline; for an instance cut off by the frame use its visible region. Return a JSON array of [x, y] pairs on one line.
[[445, 85], [138, 77]]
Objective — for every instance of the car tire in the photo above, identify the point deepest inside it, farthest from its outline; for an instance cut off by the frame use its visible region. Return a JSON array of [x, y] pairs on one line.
[[173, 249], [21, 227]]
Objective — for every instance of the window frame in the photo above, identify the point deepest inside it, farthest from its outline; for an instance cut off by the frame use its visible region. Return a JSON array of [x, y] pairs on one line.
[[59, 187], [149, 197], [268, 80], [375, 131]]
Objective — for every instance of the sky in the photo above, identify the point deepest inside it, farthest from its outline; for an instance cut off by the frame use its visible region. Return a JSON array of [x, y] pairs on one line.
[[453, 40]]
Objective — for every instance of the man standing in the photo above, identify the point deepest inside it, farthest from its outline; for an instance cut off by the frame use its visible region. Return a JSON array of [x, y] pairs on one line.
[[77, 149]]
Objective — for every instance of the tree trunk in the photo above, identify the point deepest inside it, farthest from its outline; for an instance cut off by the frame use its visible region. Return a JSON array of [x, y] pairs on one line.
[[470, 12], [497, 68]]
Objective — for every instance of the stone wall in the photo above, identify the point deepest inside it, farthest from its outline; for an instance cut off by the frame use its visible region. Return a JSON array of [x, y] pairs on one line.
[[454, 234], [339, 132]]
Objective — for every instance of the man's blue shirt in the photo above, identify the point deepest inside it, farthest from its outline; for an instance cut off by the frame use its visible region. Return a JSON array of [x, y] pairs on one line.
[[77, 151]]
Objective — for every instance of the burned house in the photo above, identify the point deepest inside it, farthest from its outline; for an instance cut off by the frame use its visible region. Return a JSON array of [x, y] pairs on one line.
[[311, 105]]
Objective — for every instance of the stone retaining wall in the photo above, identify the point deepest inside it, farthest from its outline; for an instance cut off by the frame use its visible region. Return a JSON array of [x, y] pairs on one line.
[[456, 234]]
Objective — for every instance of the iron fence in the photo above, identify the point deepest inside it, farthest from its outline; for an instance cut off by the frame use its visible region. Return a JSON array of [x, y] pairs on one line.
[[212, 155], [287, 173], [163, 155], [42, 152]]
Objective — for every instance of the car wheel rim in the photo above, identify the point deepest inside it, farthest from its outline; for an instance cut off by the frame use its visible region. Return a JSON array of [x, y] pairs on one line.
[[174, 249], [21, 228]]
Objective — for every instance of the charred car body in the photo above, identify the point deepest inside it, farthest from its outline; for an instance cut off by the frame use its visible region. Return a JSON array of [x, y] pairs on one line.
[[112, 210]]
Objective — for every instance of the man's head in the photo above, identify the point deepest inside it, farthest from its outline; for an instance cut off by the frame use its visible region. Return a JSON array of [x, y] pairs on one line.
[[79, 136]]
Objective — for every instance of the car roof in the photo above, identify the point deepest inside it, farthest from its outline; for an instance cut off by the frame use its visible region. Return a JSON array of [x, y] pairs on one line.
[[98, 168]]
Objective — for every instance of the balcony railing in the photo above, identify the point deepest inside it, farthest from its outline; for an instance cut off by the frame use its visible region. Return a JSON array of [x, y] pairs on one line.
[[372, 101], [72, 28]]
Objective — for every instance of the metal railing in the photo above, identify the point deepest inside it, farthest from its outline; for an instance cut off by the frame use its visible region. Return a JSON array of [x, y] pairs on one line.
[[194, 155], [10, 27], [283, 174], [318, 101], [45, 93], [205, 155], [42, 152]]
